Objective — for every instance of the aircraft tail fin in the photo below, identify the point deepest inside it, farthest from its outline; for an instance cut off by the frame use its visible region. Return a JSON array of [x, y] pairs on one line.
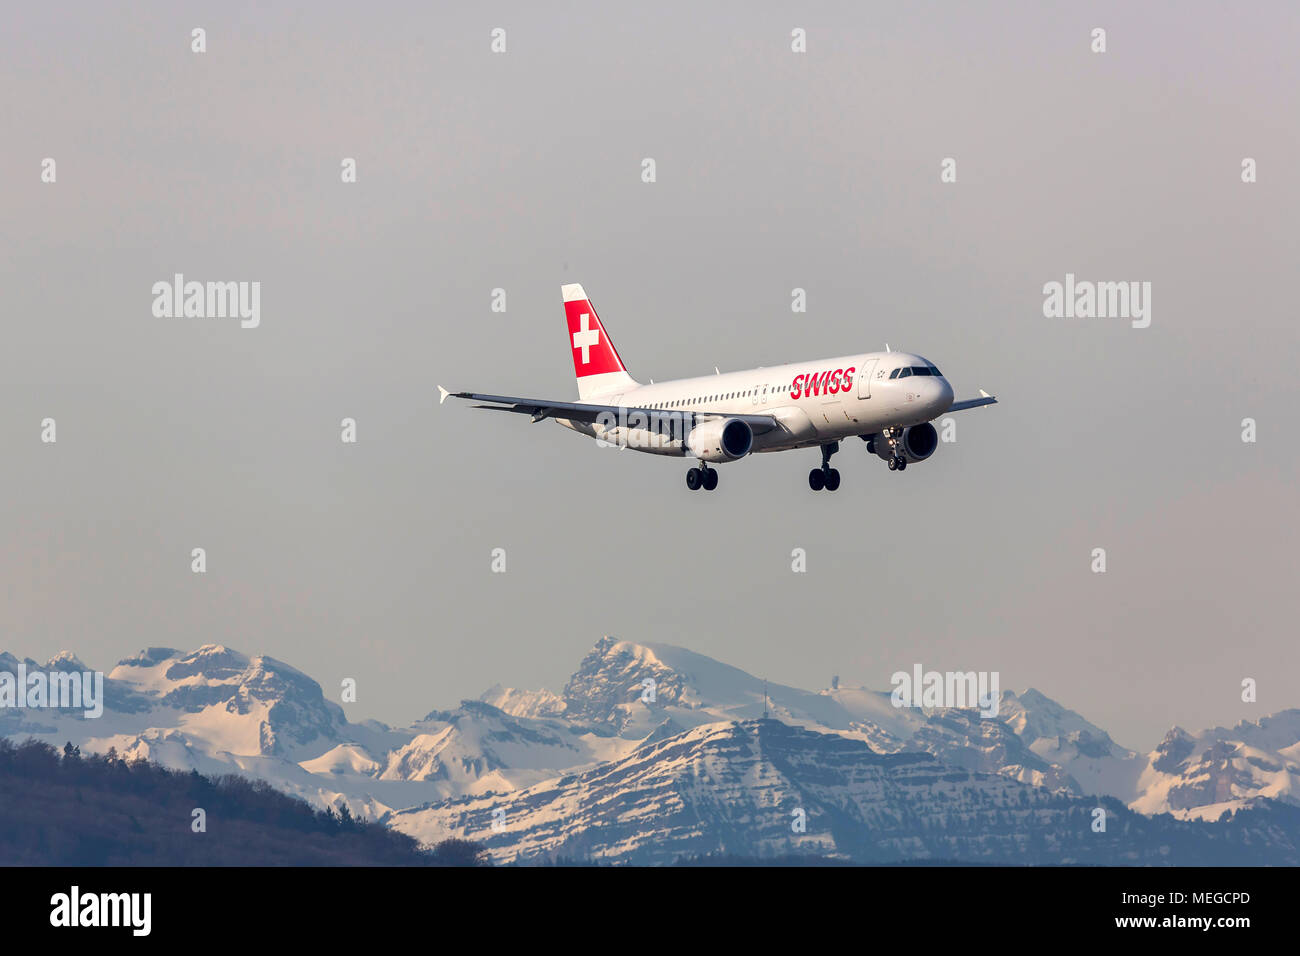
[[596, 362]]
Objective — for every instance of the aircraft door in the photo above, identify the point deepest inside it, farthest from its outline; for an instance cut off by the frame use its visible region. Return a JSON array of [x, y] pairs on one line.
[[864, 378]]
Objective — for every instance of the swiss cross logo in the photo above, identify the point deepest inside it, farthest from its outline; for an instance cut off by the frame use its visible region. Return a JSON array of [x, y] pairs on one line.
[[585, 337], [593, 352]]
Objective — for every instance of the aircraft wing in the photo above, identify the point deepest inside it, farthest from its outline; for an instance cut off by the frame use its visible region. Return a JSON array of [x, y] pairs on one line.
[[984, 399], [539, 408]]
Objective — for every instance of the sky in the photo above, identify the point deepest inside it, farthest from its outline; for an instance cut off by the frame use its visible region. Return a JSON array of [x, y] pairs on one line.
[[775, 170]]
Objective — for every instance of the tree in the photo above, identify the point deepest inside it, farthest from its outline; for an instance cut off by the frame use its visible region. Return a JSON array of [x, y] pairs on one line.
[[454, 852]]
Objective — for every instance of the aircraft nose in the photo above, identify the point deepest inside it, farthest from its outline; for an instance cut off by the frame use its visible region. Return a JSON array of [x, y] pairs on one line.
[[943, 394]]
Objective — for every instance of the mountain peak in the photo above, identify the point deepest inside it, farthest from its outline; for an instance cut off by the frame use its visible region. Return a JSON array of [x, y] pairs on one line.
[[617, 677], [65, 661], [149, 657], [524, 703]]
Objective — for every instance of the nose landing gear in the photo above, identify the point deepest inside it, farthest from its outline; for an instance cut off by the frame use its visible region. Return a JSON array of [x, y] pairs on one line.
[[825, 476], [897, 461]]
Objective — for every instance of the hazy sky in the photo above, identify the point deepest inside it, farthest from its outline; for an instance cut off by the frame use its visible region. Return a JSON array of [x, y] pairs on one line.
[[775, 170]]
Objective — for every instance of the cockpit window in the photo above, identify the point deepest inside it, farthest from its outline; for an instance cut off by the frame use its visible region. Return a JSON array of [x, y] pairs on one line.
[[904, 372], [920, 370], [934, 370], [894, 373]]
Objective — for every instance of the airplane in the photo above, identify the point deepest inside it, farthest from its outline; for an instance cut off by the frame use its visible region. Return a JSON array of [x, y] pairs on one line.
[[888, 399]]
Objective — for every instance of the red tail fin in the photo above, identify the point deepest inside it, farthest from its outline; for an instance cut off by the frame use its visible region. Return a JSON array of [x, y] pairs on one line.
[[596, 362]]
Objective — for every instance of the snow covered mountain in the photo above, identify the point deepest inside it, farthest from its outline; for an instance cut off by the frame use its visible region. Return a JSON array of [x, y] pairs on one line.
[[764, 789], [219, 711], [1202, 775], [232, 703], [753, 787], [478, 748], [1060, 737], [1033, 739], [609, 689]]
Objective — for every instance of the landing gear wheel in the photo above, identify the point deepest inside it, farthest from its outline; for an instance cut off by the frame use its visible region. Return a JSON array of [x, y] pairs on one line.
[[825, 476], [694, 479], [710, 479], [894, 435]]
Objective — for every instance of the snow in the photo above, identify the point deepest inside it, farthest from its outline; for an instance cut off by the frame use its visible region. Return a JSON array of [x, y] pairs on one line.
[[218, 710]]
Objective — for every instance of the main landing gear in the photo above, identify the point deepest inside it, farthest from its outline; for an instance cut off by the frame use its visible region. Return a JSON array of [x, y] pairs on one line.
[[702, 477], [825, 476]]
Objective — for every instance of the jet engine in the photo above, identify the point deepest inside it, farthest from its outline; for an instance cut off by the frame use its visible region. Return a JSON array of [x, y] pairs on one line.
[[720, 439], [917, 444]]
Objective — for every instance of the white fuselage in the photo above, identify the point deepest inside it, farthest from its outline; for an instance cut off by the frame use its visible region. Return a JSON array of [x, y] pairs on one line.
[[813, 402]]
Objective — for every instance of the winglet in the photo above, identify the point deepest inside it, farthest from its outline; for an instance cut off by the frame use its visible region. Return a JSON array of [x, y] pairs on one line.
[[442, 394], [985, 394]]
